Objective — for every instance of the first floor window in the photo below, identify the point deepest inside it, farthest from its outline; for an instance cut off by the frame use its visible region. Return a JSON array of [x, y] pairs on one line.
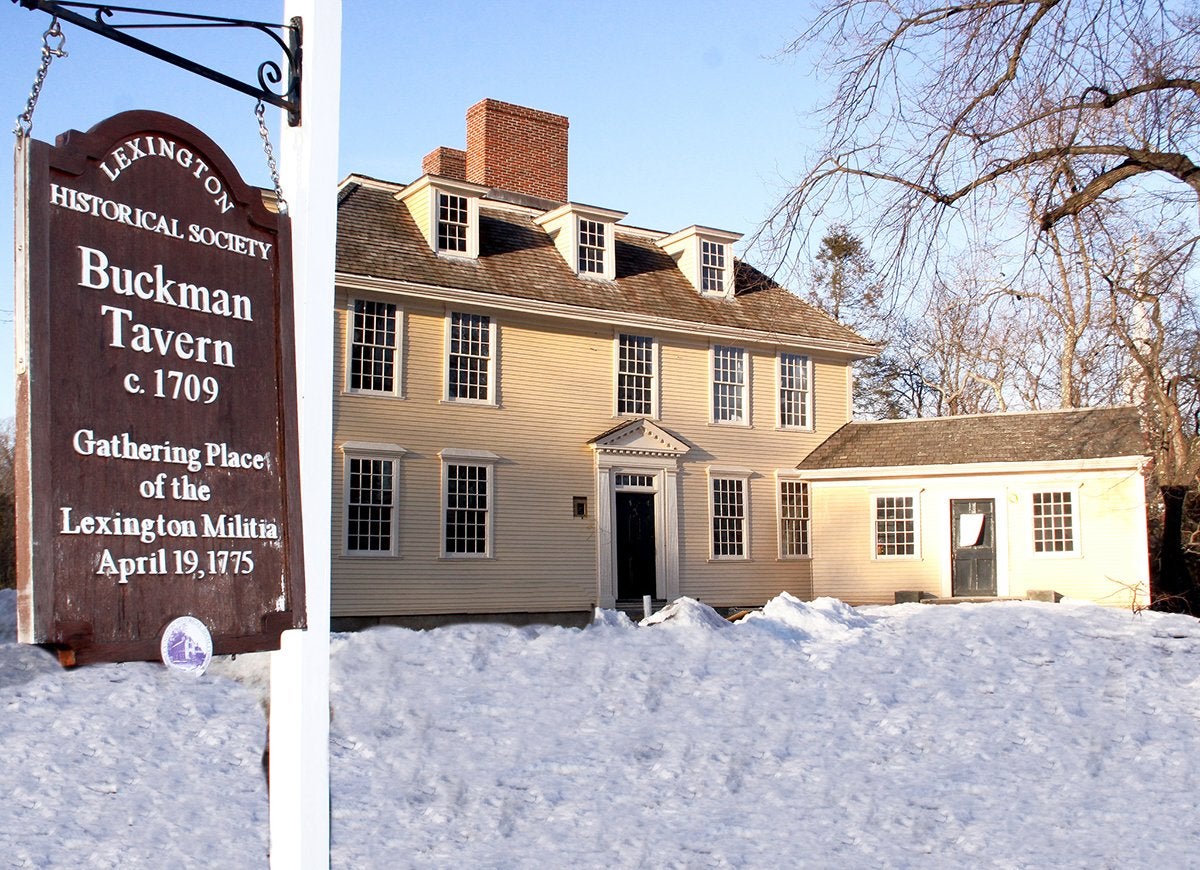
[[728, 517], [467, 515], [1053, 522], [370, 504], [729, 384], [635, 375], [373, 346], [469, 367], [895, 525], [793, 518], [794, 392]]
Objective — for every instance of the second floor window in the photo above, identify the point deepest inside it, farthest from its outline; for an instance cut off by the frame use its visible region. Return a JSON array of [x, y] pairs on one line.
[[591, 247], [470, 358], [373, 346], [452, 223], [635, 375], [794, 392], [729, 384]]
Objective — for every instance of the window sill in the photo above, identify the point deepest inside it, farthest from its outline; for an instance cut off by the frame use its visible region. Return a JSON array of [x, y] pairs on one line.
[[468, 403], [365, 394]]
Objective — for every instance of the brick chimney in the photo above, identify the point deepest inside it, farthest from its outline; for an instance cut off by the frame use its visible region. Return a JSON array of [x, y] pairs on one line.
[[446, 162], [517, 149]]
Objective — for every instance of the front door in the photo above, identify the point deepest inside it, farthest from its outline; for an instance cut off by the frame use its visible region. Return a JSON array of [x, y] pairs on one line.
[[635, 545], [973, 547]]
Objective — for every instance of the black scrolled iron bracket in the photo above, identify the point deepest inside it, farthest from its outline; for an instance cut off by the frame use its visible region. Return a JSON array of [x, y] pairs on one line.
[[269, 73]]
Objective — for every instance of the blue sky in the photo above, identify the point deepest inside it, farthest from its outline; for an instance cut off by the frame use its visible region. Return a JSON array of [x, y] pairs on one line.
[[680, 113]]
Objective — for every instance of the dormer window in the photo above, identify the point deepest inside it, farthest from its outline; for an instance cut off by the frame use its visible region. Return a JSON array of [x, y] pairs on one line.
[[585, 237], [705, 257], [712, 267], [591, 247], [446, 212], [453, 223]]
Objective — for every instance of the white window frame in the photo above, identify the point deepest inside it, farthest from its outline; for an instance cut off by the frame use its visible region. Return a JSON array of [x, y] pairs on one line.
[[464, 226], [741, 476], [807, 408], [804, 518], [1071, 490], [608, 256], [654, 379], [915, 555], [476, 459], [397, 349], [437, 191], [721, 272], [364, 451], [743, 389], [493, 392]]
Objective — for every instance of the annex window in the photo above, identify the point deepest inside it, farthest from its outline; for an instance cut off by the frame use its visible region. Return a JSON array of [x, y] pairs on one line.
[[374, 347], [728, 518], [370, 505], [467, 520], [712, 267], [895, 525], [793, 518], [470, 365], [635, 375], [1053, 522], [591, 247], [729, 385], [453, 223], [795, 396]]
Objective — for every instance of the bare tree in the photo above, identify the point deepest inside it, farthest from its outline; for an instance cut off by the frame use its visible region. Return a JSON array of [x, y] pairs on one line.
[[936, 104], [1048, 128]]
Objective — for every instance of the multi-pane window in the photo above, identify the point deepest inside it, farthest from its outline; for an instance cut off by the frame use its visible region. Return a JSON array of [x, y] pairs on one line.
[[591, 247], [635, 375], [793, 518], [1053, 522], [895, 525], [635, 481], [452, 223], [728, 517], [469, 366], [370, 504], [712, 267], [794, 391], [373, 346], [467, 516], [729, 384]]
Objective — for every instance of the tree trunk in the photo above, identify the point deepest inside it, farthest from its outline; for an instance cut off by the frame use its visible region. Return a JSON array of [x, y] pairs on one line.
[[1173, 590]]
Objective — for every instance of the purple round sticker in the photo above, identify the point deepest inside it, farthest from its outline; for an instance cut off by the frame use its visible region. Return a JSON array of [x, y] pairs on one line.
[[187, 645]]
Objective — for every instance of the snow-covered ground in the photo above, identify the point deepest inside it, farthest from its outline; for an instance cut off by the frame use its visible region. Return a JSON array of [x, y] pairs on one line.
[[811, 735]]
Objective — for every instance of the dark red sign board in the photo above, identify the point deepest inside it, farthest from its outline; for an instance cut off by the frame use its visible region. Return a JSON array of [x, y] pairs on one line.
[[156, 452]]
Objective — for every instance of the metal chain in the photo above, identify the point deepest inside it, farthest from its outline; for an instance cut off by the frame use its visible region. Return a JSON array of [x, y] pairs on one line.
[[24, 125], [259, 111]]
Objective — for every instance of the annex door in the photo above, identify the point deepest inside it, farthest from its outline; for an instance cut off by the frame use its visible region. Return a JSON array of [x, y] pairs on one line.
[[635, 545], [973, 547]]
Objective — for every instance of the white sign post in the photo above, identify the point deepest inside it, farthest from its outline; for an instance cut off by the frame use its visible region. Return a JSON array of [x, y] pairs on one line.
[[299, 735]]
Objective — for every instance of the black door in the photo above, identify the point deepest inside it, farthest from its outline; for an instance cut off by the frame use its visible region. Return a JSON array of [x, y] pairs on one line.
[[973, 542], [635, 544]]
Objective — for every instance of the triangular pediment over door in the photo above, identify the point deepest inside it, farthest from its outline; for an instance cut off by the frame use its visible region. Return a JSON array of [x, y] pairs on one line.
[[640, 437]]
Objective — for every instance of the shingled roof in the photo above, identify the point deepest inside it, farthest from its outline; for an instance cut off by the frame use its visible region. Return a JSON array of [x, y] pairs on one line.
[[378, 238], [1044, 436]]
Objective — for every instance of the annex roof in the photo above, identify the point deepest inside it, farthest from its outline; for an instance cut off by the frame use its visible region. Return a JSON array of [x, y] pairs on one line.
[[1033, 436], [377, 238]]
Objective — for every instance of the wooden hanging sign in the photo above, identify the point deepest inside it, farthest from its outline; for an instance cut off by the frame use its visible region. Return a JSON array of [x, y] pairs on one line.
[[157, 471]]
